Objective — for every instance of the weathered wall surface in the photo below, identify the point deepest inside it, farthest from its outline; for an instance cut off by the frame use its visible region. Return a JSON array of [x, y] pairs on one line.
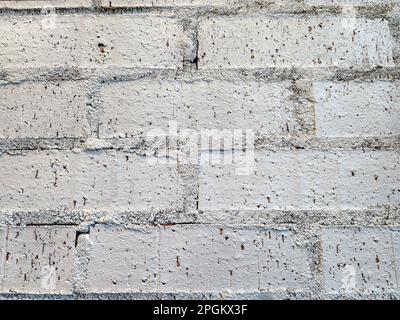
[[198, 148]]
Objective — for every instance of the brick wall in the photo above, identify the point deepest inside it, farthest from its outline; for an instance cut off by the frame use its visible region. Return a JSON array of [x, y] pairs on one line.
[[198, 148]]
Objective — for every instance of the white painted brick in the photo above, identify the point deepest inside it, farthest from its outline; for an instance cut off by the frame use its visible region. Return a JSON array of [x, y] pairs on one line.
[[198, 258], [208, 258], [122, 260], [302, 180], [358, 259], [134, 108], [33, 4], [350, 109], [257, 42], [95, 180], [90, 41], [43, 110], [195, 259], [39, 260]]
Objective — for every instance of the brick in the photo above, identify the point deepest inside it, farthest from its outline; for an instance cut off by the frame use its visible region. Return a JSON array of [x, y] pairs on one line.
[[351, 109], [270, 219], [358, 260], [33, 4], [195, 258], [39, 260], [301, 180], [43, 110], [258, 42], [90, 41], [62, 180], [209, 258], [135, 108], [122, 260]]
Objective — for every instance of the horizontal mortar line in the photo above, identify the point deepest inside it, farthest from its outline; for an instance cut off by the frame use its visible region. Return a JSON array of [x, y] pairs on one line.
[[372, 11], [273, 222], [151, 295], [392, 144], [49, 224], [269, 295], [103, 76], [262, 142], [389, 215], [13, 152], [88, 213]]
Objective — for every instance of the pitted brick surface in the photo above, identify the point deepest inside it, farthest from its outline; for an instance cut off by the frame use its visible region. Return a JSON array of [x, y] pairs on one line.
[[92, 181], [90, 41], [136, 108], [166, 149], [360, 260], [38, 260], [43, 110], [195, 259], [352, 109], [305, 180], [260, 42]]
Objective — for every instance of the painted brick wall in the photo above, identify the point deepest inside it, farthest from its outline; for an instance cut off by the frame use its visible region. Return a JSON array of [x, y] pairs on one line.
[[198, 148]]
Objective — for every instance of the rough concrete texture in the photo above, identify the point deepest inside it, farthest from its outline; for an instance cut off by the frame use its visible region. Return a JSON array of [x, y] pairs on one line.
[[357, 108], [358, 259], [43, 110], [90, 41], [200, 149], [90, 180], [38, 260], [195, 259], [242, 42], [135, 108], [305, 180]]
